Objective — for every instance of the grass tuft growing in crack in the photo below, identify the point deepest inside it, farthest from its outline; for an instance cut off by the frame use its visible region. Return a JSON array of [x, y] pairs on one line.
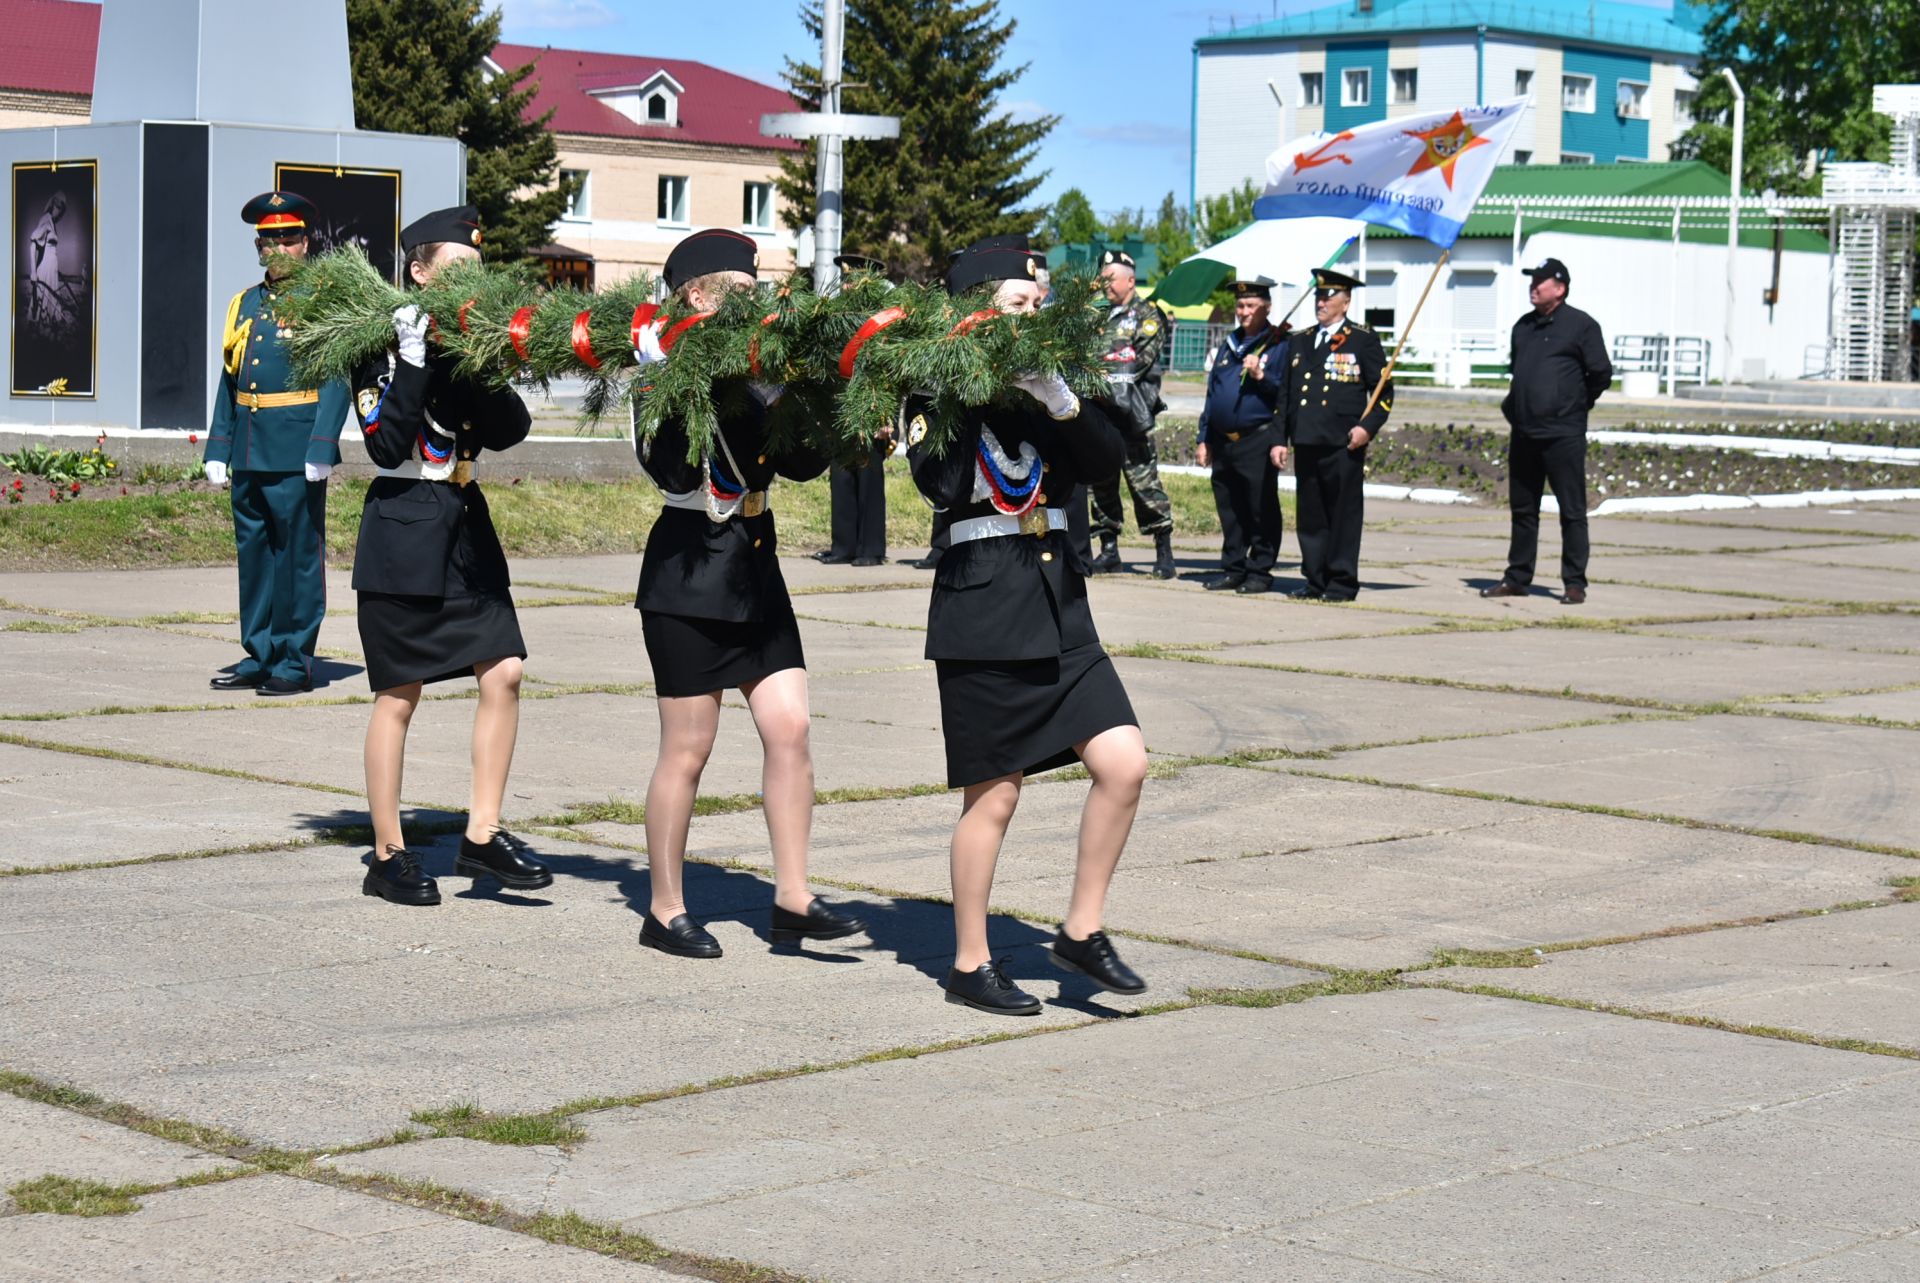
[[71, 1196], [470, 1122], [1337, 984]]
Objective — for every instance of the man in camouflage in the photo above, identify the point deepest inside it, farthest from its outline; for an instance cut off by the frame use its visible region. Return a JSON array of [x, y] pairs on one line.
[[1136, 334]]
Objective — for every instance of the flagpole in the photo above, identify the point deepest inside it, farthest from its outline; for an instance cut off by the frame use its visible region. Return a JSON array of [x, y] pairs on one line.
[[1401, 342]]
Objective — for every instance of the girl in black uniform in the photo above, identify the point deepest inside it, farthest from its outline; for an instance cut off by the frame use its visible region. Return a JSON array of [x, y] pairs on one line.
[[715, 614], [432, 580], [1024, 683]]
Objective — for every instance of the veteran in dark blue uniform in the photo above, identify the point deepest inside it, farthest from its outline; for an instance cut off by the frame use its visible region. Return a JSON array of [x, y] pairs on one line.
[[276, 442], [1237, 435], [1331, 372]]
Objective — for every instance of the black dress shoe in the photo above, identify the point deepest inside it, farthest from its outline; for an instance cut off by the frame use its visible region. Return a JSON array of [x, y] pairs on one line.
[[283, 686], [1307, 593], [831, 558], [502, 856], [1095, 959], [929, 561], [819, 922], [1505, 588], [985, 988], [398, 878], [1574, 597], [1226, 582], [682, 937], [869, 561], [238, 681], [1251, 586]]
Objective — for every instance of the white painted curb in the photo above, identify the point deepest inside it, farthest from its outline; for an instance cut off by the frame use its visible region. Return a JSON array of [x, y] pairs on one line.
[[1765, 447]]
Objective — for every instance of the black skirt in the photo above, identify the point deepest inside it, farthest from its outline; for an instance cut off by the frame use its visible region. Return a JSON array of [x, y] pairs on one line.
[[1002, 718], [692, 656], [435, 639]]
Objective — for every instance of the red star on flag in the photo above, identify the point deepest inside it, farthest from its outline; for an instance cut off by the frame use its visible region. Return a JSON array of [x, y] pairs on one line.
[[1446, 143]]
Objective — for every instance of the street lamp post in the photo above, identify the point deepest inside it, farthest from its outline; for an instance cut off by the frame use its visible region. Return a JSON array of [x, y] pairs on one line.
[[1733, 213]]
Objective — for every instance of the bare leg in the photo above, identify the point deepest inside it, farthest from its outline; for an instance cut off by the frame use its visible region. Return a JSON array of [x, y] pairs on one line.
[[1117, 760], [985, 811], [386, 759], [687, 727], [779, 704], [495, 725]]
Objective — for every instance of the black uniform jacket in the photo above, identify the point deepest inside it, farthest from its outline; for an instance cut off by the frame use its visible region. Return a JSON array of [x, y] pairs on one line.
[[1018, 597], [1560, 368], [1237, 404], [708, 569], [413, 529], [1328, 385]]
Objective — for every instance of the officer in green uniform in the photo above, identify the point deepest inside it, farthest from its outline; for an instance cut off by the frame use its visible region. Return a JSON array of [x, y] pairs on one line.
[[1136, 335], [275, 442]]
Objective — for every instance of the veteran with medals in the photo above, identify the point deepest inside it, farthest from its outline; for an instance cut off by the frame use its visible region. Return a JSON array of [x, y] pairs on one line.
[[1331, 372], [431, 576], [275, 443], [1025, 685], [715, 615]]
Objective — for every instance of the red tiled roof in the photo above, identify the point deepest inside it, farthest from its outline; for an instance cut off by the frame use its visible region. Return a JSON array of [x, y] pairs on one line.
[[717, 106], [47, 45]]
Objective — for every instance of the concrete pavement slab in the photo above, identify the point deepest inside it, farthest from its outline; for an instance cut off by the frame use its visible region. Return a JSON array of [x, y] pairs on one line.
[[129, 668], [1833, 780], [1626, 530], [1761, 574], [1455, 590], [1239, 1257], [1605, 664], [1898, 555], [1896, 632], [1871, 519], [1889, 1261], [1842, 975], [136, 594], [1885, 706], [45, 1141]]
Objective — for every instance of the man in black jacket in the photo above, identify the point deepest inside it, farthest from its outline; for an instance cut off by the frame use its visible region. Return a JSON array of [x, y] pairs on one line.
[[1236, 431], [1560, 368]]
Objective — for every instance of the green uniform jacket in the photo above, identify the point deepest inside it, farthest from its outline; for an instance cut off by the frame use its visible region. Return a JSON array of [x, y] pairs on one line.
[[255, 362]]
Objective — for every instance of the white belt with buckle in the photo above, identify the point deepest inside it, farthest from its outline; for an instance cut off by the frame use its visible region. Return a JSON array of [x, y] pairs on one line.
[[458, 471], [752, 504], [999, 524]]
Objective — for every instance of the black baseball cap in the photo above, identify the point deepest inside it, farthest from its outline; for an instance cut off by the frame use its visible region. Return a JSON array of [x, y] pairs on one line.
[[1552, 267]]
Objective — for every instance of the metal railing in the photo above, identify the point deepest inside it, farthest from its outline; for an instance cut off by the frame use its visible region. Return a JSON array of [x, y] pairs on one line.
[[1647, 354]]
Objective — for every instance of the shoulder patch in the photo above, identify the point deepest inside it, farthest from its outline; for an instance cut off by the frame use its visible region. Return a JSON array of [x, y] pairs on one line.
[[1150, 326], [367, 402], [917, 430]]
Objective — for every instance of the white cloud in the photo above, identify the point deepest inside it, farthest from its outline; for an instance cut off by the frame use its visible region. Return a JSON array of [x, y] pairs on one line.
[[1137, 133], [520, 14]]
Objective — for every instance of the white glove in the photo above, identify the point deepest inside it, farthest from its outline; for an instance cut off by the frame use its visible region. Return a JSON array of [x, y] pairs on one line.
[[647, 349], [410, 327], [1051, 391], [216, 472], [319, 471]]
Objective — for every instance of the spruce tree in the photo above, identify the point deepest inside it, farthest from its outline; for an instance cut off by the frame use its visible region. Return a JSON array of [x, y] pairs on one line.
[[419, 68], [958, 171]]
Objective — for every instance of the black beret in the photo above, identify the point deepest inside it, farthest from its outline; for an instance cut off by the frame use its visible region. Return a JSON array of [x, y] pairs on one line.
[[460, 225], [709, 251], [996, 258], [279, 211], [1116, 257], [1327, 279]]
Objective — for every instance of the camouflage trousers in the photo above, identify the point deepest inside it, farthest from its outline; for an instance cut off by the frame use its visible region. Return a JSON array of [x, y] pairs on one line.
[[1152, 510]]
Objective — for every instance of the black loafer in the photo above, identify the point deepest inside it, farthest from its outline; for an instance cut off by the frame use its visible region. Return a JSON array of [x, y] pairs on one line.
[[1505, 588], [869, 561], [819, 922], [829, 558], [1308, 593], [502, 856], [398, 879], [1252, 586], [986, 988], [929, 561], [682, 937], [1095, 959], [283, 686], [1226, 583], [238, 681]]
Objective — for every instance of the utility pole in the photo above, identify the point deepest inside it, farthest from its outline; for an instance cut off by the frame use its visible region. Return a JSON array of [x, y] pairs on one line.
[[1733, 216], [830, 128]]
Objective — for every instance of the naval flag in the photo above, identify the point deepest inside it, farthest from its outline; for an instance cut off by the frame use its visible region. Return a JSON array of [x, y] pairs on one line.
[[1420, 174]]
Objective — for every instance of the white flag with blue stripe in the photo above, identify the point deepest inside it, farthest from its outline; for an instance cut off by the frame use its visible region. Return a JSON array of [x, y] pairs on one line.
[[1421, 174]]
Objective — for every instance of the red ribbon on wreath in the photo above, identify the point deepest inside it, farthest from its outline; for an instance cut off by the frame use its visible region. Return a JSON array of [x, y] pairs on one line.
[[583, 342], [642, 318], [672, 336], [519, 329], [462, 317], [968, 322], [874, 324], [753, 348]]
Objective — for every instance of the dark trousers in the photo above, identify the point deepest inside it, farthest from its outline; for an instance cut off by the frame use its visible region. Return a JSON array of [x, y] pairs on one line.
[[1331, 514], [940, 538], [1560, 462], [280, 535], [1246, 493], [1079, 529], [860, 509], [1152, 510]]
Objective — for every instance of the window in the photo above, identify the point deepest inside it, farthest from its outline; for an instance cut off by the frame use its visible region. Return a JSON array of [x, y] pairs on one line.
[[1576, 94], [673, 200], [756, 209], [1576, 158], [1522, 157], [657, 109], [1683, 108], [1406, 84], [1522, 83], [1356, 87], [1313, 88], [1630, 100], [579, 205]]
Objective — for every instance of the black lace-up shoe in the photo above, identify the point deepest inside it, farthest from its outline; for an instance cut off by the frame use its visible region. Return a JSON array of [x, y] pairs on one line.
[[819, 922], [502, 856], [1095, 959], [986, 988], [682, 937], [398, 878]]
